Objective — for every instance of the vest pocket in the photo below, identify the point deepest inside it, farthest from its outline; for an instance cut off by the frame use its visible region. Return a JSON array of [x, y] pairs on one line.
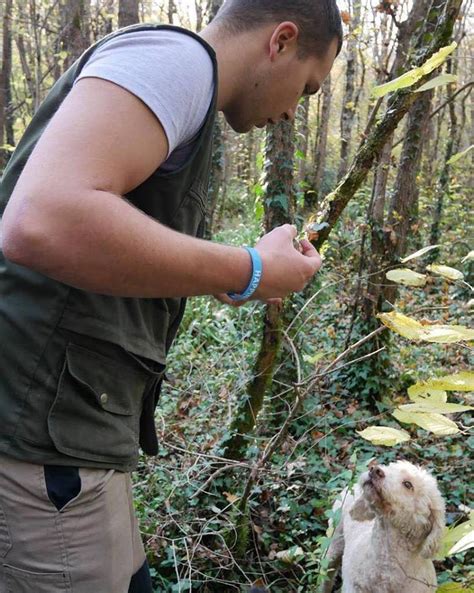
[[96, 413], [25, 581]]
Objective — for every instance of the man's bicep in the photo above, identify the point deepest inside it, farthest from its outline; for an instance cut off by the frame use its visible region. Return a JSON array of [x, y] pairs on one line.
[[102, 137]]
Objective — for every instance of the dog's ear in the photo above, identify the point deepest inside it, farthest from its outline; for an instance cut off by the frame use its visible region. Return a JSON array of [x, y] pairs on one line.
[[361, 510], [431, 544]]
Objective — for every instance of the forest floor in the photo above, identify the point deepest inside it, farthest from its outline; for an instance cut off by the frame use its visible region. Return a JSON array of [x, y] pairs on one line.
[[187, 497]]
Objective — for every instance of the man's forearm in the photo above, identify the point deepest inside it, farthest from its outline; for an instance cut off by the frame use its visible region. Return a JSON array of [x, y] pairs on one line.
[[100, 243]]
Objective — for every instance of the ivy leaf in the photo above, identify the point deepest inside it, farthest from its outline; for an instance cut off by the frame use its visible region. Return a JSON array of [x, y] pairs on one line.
[[438, 81], [406, 277], [446, 272], [435, 423], [414, 330], [384, 435], [455, 158], [412, 76], [419, 253]]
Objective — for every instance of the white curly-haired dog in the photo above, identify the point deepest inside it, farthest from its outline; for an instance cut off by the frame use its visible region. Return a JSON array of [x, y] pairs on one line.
[[389, 532]]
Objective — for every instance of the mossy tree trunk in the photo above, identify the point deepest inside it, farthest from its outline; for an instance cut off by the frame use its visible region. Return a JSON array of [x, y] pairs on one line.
[[279, 209]]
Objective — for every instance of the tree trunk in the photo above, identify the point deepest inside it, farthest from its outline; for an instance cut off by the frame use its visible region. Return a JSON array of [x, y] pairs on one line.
[[128, 13], [218, 155], [279, 209], [75, 31], [320, 149], [443, 182], [6, 119], [348, 106], [302, 118], [171, 11]]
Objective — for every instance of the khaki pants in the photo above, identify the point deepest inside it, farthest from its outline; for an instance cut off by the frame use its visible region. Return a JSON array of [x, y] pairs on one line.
[[91, 545]]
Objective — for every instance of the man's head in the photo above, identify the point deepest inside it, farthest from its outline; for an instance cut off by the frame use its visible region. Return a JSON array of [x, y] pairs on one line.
[[318, 21], [285, 49]]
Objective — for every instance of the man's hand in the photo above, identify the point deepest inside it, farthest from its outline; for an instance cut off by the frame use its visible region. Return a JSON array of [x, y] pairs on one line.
[[285, 269]]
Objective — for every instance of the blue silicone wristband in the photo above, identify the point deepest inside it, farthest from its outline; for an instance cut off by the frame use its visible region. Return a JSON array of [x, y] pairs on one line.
[[257, 270]]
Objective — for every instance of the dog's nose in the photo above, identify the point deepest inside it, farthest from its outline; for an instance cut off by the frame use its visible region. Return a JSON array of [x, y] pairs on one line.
[[376, 472]]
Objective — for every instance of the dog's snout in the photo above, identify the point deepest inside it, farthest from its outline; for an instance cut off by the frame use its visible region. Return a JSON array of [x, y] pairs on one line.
[[376, 472]]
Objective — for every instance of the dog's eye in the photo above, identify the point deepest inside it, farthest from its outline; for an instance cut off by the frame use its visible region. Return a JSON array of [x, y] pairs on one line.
[[408, 485]]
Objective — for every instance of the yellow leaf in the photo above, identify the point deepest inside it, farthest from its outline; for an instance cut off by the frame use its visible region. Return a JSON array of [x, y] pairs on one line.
[[436, 407], [291, 556], [459, 155], [406, 277], [384, 435], [446, 272], [435, 423], [462, 381], [469, 256], [422, 392], [232, 498], [414, 330], [453, 588], [440, 80], [412, 76], [401, 324], [419, 253]]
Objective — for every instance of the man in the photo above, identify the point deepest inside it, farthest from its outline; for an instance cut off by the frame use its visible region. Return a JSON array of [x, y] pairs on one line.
[[103, 206]]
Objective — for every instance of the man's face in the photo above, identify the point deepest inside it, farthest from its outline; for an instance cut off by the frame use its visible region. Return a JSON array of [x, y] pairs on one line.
[[275, 87]]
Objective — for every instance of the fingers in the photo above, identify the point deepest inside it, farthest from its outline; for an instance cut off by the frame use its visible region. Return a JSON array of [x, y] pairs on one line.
[[310, 252]]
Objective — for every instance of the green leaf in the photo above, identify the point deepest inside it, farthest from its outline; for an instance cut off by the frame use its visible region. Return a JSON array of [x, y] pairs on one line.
[[299, 154], [465, 543], [437, 81], [419, 253], [406, 277], [437, 407], [446, 272], [384, 435], [412, 76], [435, 423], [455, 158], [313, 359], [453, 535], [414, 330]]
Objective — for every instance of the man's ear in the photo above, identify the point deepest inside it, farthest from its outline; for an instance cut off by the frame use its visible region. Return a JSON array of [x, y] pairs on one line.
[[361, 510], [284, 38]]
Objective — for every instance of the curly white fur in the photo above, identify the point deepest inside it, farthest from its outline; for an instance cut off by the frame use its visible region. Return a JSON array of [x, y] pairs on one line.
[[389, 532]]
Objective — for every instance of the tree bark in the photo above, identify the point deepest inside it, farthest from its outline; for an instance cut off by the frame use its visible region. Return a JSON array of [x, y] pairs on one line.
[[128, 13], [320, 149], [218, 155], [279, 209], [6, 119], [348, 104], [75, 31]]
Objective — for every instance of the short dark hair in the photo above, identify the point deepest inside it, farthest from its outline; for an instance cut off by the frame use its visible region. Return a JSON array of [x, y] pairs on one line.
[[319, 21]]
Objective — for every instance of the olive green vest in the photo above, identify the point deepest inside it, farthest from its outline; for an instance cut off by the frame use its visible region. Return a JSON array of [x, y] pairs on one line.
[[80, 372]]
